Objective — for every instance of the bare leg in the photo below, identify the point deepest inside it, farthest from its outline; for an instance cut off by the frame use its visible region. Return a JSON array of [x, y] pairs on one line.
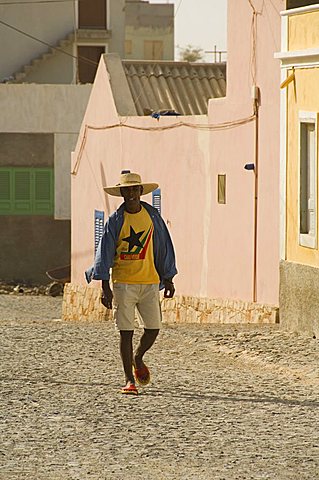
[[147, 340], [126, 350]]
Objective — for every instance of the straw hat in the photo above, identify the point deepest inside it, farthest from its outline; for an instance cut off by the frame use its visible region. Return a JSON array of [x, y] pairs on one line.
[[128, 179]]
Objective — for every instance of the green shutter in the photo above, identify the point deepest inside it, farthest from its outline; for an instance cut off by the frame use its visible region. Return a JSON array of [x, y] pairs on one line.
[[22, 192], [26, 191], [43, 192], [5, 191]]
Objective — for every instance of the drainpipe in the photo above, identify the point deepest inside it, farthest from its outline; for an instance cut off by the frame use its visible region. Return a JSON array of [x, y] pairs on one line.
[[254, 166], [255, 98]]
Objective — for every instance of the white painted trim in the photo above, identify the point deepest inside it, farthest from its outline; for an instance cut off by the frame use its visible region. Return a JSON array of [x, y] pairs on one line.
[[298, 58], [93, 44], [310, 117], [283, 149], [305, 239], [308, 241], [296, 11]]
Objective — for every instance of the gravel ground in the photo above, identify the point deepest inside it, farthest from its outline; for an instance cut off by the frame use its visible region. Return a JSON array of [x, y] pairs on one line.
[[225, 403]]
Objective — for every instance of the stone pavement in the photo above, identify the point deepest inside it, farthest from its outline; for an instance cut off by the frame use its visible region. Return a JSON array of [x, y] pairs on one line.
[[226, 402]]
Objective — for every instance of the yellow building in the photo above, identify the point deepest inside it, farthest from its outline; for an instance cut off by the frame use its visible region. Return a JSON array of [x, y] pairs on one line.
[[299, 267]]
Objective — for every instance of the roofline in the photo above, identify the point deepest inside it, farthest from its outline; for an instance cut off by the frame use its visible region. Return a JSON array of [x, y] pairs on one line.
[[171, 62]]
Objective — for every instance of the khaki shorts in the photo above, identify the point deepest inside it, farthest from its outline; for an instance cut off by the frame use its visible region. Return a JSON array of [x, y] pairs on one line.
[[146, 300]]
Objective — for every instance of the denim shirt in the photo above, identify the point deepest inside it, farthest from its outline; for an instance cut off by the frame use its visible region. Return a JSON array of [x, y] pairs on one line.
[[164, 256]]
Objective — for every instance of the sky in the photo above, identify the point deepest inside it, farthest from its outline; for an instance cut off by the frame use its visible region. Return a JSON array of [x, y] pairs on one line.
[[201, 23]]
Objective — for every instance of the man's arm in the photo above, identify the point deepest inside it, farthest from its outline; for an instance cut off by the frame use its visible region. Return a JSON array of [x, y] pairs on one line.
[[107, 294], [169, 288]]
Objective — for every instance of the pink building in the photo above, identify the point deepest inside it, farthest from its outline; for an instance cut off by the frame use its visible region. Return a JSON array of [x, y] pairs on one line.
[[217, 165]]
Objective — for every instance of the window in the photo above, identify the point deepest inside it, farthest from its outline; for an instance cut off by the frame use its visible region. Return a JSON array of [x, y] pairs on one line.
[[308, 179], [153, 50], [221, 189], [128, 47], [26, 191], [300, 3], [156, 199], [98, 228], [92, 14]]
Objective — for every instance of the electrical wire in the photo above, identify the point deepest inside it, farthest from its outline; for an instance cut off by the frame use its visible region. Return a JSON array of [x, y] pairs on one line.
[[180, 3], [84, 59], [196, 126]]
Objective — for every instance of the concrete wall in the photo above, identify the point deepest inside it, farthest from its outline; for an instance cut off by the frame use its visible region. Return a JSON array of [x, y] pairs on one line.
[[299, 301], [39, 127], [31, 245], [152, 22], [214, 242], [51, 22], [117, 26], [56, 109], [26, 150], [139, 36], [48, 21], [57, 68]]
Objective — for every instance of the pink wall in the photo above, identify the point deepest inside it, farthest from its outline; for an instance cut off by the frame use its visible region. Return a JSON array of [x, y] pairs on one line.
[[214, 243], [234, 148]]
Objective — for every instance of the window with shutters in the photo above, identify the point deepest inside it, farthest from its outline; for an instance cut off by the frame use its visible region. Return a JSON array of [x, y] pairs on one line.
[[98, 227], [26, 191], [308, 179], [153, 50], [156, 199]]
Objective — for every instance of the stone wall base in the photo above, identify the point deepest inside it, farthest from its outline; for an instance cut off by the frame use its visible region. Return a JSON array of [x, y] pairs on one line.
[[299, 299], [83, 303], [187, 309]]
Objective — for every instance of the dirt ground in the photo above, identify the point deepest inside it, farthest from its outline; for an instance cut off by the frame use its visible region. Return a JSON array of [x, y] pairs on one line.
[[225, 402]]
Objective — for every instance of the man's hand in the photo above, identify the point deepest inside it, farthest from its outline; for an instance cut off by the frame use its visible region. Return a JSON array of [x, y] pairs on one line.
[[169, 288], [107, 295]]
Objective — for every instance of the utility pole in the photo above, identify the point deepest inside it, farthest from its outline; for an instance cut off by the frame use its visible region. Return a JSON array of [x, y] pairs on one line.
[[217, 53]]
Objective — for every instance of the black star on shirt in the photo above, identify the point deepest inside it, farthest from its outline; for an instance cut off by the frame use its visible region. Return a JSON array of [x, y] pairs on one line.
[[134, 239]]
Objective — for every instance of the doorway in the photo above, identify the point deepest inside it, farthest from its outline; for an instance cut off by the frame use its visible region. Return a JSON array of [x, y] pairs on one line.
[[88, 59]]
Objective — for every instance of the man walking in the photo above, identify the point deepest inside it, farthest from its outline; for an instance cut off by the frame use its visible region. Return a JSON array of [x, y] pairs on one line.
[[137, 246]]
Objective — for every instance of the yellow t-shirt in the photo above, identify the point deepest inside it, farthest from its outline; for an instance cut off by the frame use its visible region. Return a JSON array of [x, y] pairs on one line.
[[134, 260]]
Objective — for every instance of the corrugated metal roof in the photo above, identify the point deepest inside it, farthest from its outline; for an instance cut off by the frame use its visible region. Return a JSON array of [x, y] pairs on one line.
[[181, 86]]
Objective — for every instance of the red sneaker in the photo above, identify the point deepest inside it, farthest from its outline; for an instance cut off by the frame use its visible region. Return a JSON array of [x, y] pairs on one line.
[[142, 375], [129, 389]]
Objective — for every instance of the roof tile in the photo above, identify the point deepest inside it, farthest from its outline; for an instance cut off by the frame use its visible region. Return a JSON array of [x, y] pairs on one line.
[[180, 86]]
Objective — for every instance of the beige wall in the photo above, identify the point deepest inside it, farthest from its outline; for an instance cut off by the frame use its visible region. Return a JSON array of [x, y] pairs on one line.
[[117, 26], [51, 24], [146, 22], [139, 36], [57, 68]]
